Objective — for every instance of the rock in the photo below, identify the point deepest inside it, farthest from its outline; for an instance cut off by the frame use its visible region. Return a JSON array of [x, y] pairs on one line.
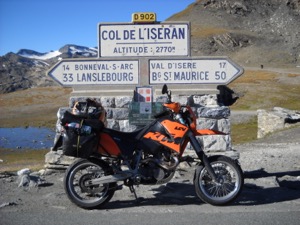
[[22, 172], [113, 124], [222, 125], [276, 119], [120, 113], [108, 102], [291, 116], [56, 158], [7, 204], [24, 181], [205, 100], [214, 112], [218, 143], [27, 179], [289, 182], [122, 102], [266, 182]]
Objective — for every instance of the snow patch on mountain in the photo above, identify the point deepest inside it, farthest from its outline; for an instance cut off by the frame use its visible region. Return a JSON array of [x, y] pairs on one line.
[[67, 51], [84, 51], [44, 56]]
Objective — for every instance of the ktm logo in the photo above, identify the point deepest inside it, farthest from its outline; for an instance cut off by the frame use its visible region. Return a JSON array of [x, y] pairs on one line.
[[180, 128], [162, 139]]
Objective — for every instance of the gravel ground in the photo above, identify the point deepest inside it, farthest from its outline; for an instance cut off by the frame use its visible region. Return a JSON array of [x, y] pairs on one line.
[[271, 166]]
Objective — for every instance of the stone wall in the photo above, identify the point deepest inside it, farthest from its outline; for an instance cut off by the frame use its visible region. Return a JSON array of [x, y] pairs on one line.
[[210, 115], [276, 119]]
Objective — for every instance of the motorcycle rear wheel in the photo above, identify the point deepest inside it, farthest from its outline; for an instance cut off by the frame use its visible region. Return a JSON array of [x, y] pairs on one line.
[[228, 186], [77, 188]]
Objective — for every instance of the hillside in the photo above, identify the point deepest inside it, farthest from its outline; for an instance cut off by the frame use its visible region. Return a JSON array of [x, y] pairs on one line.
[[27, 68], [252, 33]]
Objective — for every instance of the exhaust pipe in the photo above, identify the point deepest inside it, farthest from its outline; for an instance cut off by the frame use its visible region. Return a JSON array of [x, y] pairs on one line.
[[125, 175], [109, 179], [165, 165], [162, 164]]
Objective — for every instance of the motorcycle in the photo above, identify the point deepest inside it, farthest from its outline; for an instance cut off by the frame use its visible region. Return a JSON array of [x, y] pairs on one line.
[[150, 156]]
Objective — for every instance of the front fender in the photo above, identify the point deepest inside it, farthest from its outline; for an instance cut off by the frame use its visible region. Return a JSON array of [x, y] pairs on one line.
[[208, 132]]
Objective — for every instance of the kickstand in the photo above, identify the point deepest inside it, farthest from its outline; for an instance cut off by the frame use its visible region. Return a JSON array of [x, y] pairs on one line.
[[137, 200], [132, 190]]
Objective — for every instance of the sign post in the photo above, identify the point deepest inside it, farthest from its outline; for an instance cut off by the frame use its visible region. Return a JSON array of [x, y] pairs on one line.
[[72, 73], [219, 71], [142, 53]]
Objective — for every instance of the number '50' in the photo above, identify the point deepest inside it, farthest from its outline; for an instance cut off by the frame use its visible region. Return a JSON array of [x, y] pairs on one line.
[[220, 75]]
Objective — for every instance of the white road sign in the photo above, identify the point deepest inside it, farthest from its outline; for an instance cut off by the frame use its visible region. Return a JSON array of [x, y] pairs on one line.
[[193, 71], [162, 39], [99, 72]]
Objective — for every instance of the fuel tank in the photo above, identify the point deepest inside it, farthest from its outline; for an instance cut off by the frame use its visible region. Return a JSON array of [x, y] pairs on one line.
[[165, 132], [159, 134]]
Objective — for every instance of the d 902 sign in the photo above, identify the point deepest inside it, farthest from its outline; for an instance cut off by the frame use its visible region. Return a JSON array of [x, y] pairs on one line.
[[146, 17]]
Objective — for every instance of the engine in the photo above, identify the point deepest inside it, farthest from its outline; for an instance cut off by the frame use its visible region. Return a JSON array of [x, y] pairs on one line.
[[158, 168]]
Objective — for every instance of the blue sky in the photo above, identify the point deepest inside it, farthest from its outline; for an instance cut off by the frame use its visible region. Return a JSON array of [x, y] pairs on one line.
[[45, 25]]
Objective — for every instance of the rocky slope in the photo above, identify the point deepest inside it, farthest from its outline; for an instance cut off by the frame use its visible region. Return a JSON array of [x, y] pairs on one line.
[[27, 68], [256, 32]]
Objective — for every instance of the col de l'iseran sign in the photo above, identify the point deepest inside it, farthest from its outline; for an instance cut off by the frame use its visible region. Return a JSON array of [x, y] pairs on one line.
[[162, 39]]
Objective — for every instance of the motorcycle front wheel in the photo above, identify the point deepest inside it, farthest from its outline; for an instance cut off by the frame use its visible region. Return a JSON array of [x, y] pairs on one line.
[[228, 185], [78, 189]]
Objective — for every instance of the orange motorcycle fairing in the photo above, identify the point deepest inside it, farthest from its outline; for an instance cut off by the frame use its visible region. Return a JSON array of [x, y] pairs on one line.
[[107, 146], [175, 106], [162, 139], [193, 125], [177, 132], [207, 132]]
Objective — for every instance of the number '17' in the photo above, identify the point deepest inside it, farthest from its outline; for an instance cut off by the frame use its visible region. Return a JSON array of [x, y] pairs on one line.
[[222, 64]]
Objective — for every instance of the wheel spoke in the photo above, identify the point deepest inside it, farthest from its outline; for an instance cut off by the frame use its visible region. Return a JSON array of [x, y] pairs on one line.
[[78, 186], [227, 185]]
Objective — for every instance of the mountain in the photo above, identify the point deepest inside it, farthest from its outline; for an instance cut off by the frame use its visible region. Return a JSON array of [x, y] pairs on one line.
[[27, 68], [251, 32]]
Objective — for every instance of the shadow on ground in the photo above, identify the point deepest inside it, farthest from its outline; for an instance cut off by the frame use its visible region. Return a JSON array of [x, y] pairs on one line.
[[252, 193], [283, 186]]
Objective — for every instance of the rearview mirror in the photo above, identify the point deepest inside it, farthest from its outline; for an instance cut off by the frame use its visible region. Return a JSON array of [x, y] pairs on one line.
[[164, 89]]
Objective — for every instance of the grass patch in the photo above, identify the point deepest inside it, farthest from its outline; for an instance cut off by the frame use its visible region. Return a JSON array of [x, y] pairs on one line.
[[14, 160], [244, 132], [35, 107], [255, 76], [262, 89], [293, 75]]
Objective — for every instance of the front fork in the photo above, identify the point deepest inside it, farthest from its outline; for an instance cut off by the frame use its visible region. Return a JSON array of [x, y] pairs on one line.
[[200, 153]]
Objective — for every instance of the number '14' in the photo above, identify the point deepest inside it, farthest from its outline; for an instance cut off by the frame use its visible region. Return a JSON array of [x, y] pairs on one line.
[[66, 67]]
